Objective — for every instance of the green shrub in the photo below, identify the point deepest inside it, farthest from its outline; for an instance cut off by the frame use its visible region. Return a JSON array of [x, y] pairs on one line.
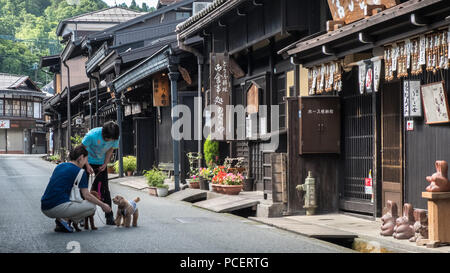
[[77, 140], [155, 178], [211, 150], [129, 164]]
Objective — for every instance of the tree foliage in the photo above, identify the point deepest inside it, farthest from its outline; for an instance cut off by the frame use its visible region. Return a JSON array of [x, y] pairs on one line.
[[28, 31]]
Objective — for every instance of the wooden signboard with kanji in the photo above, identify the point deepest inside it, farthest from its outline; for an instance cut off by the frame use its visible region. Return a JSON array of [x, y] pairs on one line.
[[353, 10], [161, 95], [253, 99], [220, 92]]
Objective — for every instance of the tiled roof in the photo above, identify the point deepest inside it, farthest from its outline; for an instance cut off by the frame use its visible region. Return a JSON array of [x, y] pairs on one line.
[[167, 2], [17, 82], [9, 81], [113, 14], [203, 13]]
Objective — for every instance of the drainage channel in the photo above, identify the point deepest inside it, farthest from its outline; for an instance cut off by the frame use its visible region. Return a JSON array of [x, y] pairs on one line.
[[346, 242]]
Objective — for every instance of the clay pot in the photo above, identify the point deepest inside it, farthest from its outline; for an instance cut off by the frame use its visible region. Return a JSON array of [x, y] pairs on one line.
[[194, 185], [129, 173], [215, 187], [153, 191], [111, 169], [231, 189], [204, 184]]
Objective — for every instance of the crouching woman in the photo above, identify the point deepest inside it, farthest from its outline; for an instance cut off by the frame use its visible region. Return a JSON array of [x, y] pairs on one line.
[[55, 203]]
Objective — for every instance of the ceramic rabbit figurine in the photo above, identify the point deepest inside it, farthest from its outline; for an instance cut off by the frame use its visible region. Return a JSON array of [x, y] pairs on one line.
[[388, 219], [420, 226], [404, 228], [439, 180]]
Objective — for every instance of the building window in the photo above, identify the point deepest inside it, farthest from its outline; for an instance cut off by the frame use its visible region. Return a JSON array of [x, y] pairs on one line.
[[182, 15], [16, 108], [23, 109], [37, 110], [281, 92], [29, 109], [1, 107], [8, 108]]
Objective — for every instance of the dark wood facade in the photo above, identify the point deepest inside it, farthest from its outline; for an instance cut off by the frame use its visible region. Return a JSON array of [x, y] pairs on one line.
[[252, 32]]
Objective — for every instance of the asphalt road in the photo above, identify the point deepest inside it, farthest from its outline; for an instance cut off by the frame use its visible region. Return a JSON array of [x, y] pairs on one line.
[[164, 226]]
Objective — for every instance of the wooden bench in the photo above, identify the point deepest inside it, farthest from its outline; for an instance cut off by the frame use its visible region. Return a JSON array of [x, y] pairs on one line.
[[167, 168]]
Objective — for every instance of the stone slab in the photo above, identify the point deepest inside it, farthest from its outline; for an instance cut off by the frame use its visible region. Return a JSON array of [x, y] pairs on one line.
[[188, 195], [139, 185], [309, 230], [226, 203]]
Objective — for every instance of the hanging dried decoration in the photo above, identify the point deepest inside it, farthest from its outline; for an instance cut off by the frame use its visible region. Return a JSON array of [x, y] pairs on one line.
[[402, 70], [337, 77], [429, 53], [416, 68], [389, 73], [324, 78]]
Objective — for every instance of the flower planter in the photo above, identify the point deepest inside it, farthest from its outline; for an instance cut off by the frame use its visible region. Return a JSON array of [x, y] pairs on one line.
[[194, 185], [236, 170], [153, 191], [162, 192], [248, 184], [111, 169], [231, 189], [214, 187], [129, 173]]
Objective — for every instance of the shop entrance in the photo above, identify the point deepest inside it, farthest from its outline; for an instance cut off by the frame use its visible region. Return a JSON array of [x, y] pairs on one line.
[[391, 144], [358, 136]]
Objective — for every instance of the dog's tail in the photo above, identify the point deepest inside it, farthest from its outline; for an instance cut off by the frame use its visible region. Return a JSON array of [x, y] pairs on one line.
[[137, 199]]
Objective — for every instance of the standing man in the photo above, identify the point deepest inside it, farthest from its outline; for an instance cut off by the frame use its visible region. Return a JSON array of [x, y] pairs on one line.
[[100, 143]]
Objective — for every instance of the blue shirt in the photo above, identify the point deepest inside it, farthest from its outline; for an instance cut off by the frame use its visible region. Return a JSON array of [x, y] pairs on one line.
[[97, 146], [60, 185]]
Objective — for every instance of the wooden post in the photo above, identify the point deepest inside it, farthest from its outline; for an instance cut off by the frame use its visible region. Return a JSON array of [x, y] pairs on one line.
[[438, 217]]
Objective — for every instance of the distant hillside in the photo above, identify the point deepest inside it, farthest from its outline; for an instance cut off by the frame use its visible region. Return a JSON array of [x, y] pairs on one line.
[[28, 31]]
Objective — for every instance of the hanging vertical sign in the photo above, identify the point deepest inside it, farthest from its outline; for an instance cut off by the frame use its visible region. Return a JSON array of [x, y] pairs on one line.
[[161, 90], [415, 102], [412, 104], [406, 98], [220, 91], [362, 75], [369, 76], [376, 73]]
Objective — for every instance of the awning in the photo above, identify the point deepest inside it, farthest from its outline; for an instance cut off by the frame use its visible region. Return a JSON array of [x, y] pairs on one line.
[[405, 20], [153, 64]]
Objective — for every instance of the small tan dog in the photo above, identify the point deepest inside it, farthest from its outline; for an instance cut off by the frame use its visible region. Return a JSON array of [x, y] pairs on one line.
[[126, 209]]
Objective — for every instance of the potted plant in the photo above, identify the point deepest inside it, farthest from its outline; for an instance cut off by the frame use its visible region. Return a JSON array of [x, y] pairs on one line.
[[232, 183], [129, 164], [217, 181], [155, 180], [205, 177], [194, 182], [111, 168], [211, 150]]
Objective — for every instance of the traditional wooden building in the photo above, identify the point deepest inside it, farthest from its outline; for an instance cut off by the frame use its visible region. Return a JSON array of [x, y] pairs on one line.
[[21, 116], [134, 60], [388, 66], [247, 35], [74, 96]]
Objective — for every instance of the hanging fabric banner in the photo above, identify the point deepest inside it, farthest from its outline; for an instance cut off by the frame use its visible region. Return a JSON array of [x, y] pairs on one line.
[[369, 76], [376, 73], [422, 49], [362, 75], [406, 98]]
